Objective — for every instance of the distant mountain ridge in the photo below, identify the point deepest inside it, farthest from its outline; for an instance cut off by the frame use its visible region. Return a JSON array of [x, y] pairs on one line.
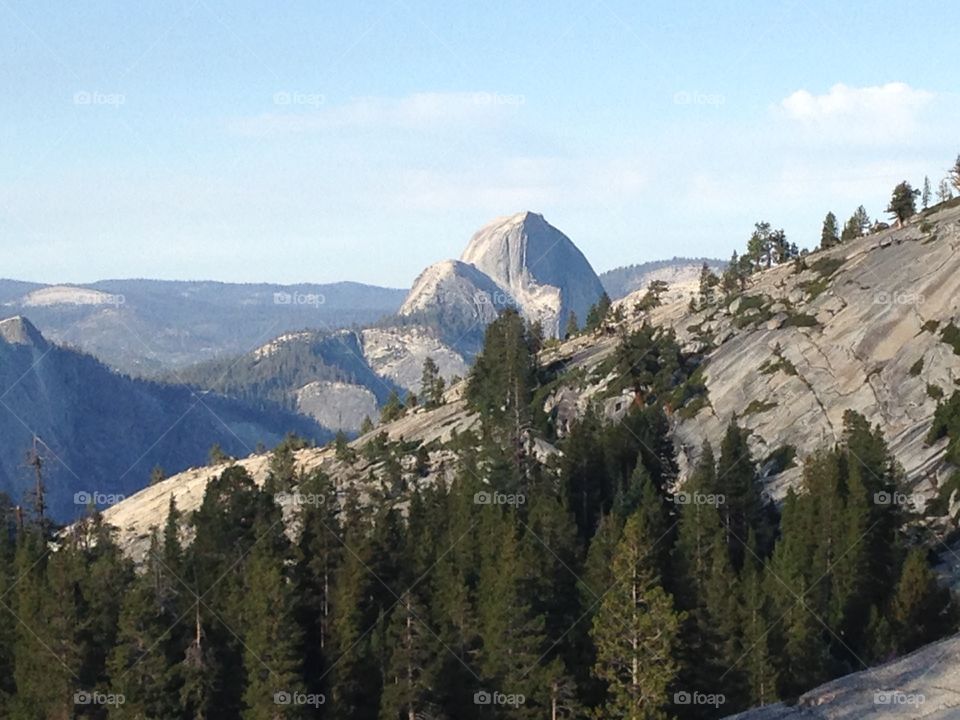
[[144, 327], [101, 432]]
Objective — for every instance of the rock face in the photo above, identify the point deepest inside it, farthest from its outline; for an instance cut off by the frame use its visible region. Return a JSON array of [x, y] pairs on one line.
[[538, 266], [337, 405], [455, 293], [399, 353], [861, 328], [924, 684], [520, 261], [679, 273]]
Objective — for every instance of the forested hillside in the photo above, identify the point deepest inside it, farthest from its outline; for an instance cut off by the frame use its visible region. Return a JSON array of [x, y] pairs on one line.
[[521, 586]]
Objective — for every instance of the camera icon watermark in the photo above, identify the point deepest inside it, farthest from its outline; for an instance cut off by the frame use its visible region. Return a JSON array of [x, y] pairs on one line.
[[95, 697], [698, 498], [86, 498], [486, 697], [493, 98], [299, 298], [896, 697], [485, 497], [685, 697], [688, 97], [296, 697], [897, 498], [293, 98], [95, 97], [296, 499]]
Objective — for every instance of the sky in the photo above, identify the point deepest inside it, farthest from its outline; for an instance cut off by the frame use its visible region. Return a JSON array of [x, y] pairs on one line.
[[322, 141]]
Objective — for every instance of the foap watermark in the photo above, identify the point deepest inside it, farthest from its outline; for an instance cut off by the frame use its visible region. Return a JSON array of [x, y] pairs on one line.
[[85, 498], [299, 298], [485, 697], [301, 99], [95, 697], [896, 697], [688, 97], [95, 97], [299, 499], [485, 497], [898, 297], [896, 498], [685, 697], [699, 498], [493, 98], [295, 697], [497, 298]]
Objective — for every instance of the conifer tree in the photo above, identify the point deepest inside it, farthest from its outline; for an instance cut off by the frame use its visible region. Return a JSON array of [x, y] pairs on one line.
[[759, 670], [143, 660], [742, 509], [431, 384], [598, 313], [830, 233], [511, 631], [271, 637], [903, 202], [410, 681], [922, 610], [635, 631]]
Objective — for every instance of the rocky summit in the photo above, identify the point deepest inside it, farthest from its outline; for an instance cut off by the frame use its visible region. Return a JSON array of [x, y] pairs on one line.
[[520, 260]]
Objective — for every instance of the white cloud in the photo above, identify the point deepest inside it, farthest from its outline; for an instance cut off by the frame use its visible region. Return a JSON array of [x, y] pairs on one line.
[[304, 112], [874, 114]]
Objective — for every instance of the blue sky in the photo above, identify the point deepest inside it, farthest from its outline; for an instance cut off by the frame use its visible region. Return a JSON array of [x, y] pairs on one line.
[[314, 141]]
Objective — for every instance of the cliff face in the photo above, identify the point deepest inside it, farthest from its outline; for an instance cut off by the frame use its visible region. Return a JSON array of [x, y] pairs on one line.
[[520, 261], [538, 266], [866, 326]]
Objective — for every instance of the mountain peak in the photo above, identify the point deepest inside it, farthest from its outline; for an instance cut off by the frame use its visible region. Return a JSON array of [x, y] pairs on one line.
[[17, 330], [540, 267]]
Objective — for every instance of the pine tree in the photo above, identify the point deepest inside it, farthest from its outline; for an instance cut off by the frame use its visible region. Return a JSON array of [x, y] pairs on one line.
[[511, 631], [410, 680], [922, 610], [598, 313], [944, 193], [635, 631], [573, 325], [318, 554], [829, 234], [431, 384], [955, 174], [708, 284], [353, 615], [903, 202], [742, 509], [271, 638], [392, 409], [761, 675], [927, 194], [142, 662]]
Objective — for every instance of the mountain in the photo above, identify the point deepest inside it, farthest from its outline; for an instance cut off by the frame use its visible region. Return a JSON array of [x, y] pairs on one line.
[[677, 272], [143, 327], [866, 326], [101, 432], [339, 378], [324, 375], [521, 261]]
